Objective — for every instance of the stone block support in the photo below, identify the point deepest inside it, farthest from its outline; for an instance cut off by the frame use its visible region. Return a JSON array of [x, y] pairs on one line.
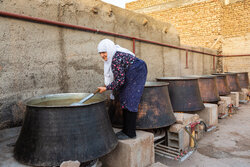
[[222, 108], [235, 96], [227, 99], [158, 164], [177, 136], [137, 152], [185, 119], [209, 114], [243, 94]]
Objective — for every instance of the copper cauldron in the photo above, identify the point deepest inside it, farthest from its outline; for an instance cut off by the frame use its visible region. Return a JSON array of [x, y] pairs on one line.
[[53, 131], [243, 79], [233, 82], [222, 84], [155, 110], [184, 93], [208, 88]]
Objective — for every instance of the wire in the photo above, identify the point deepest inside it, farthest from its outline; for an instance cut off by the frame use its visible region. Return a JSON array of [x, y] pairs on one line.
[[195, 142], [202, 122]]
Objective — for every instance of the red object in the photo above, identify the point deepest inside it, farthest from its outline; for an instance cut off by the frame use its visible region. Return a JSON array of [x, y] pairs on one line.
[[233, 55], [134, 45], [61, 24], [213, 62], [186, 58], [193, 124]]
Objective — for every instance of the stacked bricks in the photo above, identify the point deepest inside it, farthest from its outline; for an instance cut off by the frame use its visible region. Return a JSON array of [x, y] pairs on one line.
[[210, 23], [177, 136], [145, 3], [200, 23]]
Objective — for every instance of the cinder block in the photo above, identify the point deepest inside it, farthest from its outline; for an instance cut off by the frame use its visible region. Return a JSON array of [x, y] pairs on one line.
[[176, 127], [185, 119], [209, 114], [227, 99], [178, 137], [235, 97], [222, 108], [243, 94], [137, 152], [158, 164], [70, 164]]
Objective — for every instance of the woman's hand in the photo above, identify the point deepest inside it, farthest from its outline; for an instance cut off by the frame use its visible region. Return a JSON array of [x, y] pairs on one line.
[[102, 89]]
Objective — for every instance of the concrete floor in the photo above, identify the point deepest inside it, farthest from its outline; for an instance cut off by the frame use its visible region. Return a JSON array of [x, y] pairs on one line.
[[227, 146], [7, 139]]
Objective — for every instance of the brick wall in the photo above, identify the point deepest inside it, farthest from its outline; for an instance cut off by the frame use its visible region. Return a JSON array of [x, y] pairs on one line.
[[236, 32], [202, 23], [236, 19], [144, 3], [197, 24]]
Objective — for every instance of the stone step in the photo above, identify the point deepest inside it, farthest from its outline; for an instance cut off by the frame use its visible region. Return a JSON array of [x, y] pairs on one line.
[[137, 152], [158, 164]]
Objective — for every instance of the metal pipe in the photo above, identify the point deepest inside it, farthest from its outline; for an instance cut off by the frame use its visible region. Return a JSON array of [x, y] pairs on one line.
[[169, 151], [61, 24], [170, 148], [134, 45], [213, 62], [233, 55], [71, 26], [186, 59], [165, 153]]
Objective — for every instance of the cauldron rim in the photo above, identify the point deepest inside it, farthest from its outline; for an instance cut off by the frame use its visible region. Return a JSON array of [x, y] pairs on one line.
[[155, 84], [48, 96], [240, 72], [202, 76], [230, 73], [226, 73], [175, 78], [219, 74]]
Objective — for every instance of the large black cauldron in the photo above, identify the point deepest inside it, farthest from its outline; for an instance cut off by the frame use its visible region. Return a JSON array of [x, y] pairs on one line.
[[243, 79], [208, 88], [233, 82], [222, 84], [53, 131], [184, 93], [155, 109]]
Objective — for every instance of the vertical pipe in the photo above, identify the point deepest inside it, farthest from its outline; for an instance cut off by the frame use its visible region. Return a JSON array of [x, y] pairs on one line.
[[186, 59], [134, 45], [213, 62], [192, 140]]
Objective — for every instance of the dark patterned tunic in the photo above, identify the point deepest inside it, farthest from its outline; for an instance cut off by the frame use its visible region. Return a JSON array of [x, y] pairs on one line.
[[130, 75]]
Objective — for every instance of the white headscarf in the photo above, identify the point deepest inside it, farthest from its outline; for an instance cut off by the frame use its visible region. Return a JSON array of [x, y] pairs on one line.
[[108, 46]]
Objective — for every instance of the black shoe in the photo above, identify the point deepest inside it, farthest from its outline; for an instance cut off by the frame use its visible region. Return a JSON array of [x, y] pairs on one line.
[[119, 133], [122, 136]]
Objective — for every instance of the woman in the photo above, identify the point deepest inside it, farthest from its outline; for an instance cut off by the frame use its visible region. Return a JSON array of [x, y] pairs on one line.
[[127, 74]]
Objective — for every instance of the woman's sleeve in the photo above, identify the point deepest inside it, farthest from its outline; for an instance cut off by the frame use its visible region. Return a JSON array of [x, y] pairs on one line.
[[119, 74]]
